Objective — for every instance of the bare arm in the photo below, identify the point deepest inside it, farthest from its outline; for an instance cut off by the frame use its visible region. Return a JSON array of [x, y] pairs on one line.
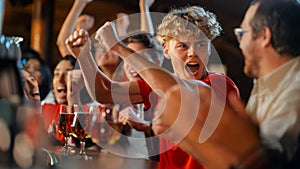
[[69, 25], [122, 23], [85, 21], [129, 116], [100, 87], [74, 86], [187, 107], [156, 77], [146, 20], [235, 137]]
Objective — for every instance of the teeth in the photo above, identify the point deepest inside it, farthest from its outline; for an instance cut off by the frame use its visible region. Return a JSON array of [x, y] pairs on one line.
[[192, 67], [133, 72], [192, 63], [35, 93], [61, 88]]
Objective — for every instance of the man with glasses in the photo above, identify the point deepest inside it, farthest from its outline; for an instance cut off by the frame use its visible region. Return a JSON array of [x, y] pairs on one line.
[[269, 39]]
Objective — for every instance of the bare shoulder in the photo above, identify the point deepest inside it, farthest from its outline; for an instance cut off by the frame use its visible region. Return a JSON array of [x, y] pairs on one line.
[[191, 88]]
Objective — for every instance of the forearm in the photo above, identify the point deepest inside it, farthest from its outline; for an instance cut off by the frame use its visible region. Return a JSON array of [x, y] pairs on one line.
[[144, 126], [89, 71], [74, 98], [155, 76], [69, 26], [261, 158], [146, 20], [104, 90]]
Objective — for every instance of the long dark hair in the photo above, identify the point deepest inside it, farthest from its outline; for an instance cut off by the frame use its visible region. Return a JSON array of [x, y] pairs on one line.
[[46, 83]]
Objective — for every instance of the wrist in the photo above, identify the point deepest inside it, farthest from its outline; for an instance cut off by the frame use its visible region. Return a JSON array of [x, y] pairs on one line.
[[255, 158], [149, 133], [122, 50], [260, 157]]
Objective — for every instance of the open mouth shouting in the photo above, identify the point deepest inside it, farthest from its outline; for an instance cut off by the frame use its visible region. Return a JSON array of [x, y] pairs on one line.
[[192, 67], [35, 95], [61, 94], [61, 89], [133, 73]]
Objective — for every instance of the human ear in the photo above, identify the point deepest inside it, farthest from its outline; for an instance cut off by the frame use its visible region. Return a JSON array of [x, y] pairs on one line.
[[166, 51], [267, 35]]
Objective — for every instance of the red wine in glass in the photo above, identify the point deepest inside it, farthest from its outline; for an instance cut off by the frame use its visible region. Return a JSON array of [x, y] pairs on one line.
[[64, 123], [83, 124], [66, 117]]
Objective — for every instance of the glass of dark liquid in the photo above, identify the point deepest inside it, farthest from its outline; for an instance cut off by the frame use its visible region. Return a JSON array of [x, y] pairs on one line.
[[65, 121], [83, 123]]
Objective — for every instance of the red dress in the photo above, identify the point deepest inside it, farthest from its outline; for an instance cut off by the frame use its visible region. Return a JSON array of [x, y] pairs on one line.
[[176, 158]]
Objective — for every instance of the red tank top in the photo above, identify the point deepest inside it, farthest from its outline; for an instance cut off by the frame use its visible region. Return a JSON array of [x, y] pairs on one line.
[[176, 158]]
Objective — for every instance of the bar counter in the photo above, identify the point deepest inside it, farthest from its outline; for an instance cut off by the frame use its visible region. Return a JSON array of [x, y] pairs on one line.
[[100, 160]]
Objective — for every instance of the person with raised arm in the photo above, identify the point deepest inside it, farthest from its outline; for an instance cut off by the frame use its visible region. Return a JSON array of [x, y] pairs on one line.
[[188, 53], [72, 22], [272, 59]]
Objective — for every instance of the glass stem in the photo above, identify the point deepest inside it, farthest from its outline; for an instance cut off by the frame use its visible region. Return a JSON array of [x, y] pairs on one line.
[[82, 148], [66, 143]]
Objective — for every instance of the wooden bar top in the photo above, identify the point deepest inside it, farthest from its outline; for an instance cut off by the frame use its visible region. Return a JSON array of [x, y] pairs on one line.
[[102, 160]]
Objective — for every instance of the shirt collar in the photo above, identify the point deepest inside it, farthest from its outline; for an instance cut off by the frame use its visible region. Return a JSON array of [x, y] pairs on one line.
[[274, 79]]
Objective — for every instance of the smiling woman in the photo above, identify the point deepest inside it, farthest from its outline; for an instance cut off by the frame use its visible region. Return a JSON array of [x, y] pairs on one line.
[[31, 88], [36, 66]]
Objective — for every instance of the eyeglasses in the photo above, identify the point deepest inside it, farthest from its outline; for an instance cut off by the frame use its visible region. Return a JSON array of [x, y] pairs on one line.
[[239, 32]]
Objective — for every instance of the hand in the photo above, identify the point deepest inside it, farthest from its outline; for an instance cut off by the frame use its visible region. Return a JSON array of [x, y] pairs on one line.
[[122, 23], [75, 84], [147, 3], [85, 22], [107, 35], [128, 116], [77, 41]]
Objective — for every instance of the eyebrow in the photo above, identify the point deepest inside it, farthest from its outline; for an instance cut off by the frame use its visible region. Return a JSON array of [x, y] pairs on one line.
[[63, 69]]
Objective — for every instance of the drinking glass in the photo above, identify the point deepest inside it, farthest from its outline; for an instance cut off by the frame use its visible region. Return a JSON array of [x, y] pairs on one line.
[[83, 123], [66, 117]]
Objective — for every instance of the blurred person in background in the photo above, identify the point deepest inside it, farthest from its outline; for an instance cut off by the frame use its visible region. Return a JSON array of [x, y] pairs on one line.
[[36, 66], [31, 88]]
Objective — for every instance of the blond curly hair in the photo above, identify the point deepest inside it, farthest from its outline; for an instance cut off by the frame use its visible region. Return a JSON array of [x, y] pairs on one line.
[[191, 21]]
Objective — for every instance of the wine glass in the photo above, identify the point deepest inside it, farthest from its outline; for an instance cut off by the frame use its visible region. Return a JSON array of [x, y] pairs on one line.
[[83, 123], [66, 116]]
